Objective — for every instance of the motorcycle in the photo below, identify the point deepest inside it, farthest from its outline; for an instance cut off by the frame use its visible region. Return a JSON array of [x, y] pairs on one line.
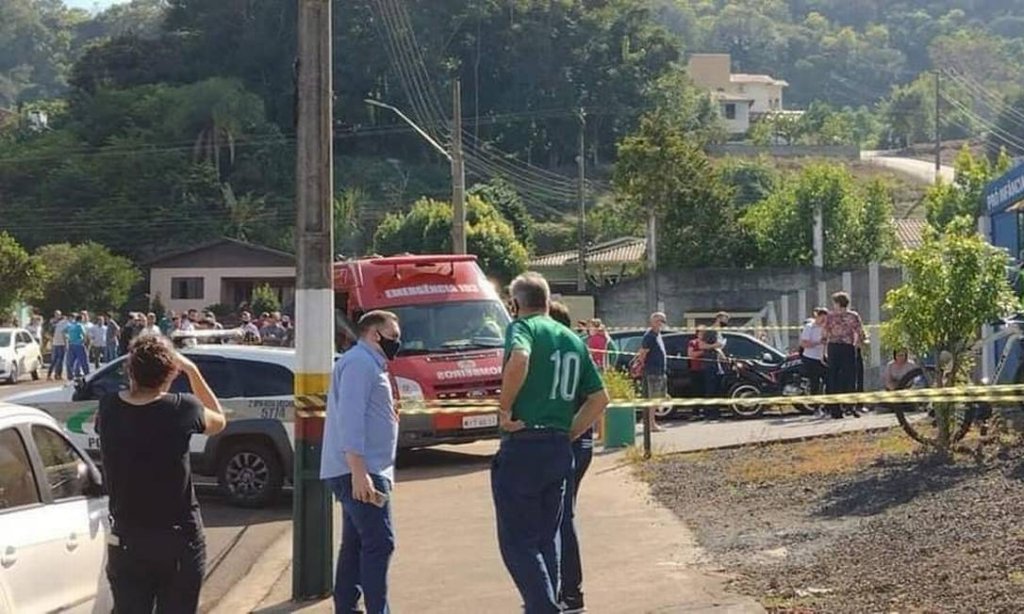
[[750, 379]]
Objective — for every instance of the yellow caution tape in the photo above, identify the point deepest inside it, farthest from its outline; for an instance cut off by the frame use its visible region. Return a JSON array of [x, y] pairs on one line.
[[1012, 393]]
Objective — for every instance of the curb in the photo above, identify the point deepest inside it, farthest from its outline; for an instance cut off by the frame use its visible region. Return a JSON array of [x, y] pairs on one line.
[[259, 581]]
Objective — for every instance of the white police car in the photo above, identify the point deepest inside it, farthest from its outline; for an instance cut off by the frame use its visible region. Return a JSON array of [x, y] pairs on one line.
[[251, 458], [53, 519]]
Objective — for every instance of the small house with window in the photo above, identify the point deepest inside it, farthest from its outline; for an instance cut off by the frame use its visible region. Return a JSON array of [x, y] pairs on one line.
[[224, 271]]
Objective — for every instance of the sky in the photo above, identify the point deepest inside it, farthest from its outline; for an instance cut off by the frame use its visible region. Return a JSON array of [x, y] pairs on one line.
[[90, 5]]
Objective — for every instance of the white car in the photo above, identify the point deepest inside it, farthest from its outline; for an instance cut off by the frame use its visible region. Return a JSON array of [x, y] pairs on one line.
[[19, 354], [53, 519]]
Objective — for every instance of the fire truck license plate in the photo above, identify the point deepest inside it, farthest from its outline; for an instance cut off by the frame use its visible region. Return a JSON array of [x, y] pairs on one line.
[[479, 422]]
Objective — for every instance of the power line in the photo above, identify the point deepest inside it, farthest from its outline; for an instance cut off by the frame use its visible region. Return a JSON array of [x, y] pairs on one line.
[[991, 99], [993, 129]]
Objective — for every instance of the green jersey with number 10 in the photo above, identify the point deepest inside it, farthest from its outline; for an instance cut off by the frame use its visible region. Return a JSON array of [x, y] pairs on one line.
[[561, 372]]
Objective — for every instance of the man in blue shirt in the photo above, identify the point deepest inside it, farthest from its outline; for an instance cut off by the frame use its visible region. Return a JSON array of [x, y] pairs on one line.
[[652, 356], [358, 462], [78, 359]]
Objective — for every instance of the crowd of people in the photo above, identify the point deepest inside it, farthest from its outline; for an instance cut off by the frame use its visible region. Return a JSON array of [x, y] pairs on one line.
[[78, 339]]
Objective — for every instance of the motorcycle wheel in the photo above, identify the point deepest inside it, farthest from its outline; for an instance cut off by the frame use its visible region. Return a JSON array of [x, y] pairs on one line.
[[746, 391]]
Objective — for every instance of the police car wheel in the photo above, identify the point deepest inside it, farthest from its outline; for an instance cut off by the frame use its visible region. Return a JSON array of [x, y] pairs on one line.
[[250, 474], [37, 371], [13, 378]]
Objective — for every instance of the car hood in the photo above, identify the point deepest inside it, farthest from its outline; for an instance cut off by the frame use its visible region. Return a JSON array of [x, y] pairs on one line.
[[51, 394]]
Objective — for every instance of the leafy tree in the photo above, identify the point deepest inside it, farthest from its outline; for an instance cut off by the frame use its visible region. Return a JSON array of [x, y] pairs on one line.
[[426, 229], [965, 197], [751, 180], [264, 300], [20, 273], [661, 171], [85, 276], [501, 195], [955, 283], [857, 222]]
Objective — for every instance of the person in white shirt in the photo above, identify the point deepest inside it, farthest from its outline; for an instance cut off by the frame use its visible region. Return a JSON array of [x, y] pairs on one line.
[[812, 350], [151, 327], [58, 346], [97, 334]]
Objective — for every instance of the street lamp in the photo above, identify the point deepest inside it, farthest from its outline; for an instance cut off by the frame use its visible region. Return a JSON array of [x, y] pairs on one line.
[[458, 168]]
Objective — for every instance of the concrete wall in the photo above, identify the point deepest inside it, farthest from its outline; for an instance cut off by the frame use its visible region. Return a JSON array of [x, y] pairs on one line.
[[160, 282], [710, 70], [741, 123], [736, 290], [767, 97], [848, 152]]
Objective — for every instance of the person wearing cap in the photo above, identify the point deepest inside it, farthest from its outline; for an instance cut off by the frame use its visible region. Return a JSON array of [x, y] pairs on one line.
[[547, 371], [655, 364]]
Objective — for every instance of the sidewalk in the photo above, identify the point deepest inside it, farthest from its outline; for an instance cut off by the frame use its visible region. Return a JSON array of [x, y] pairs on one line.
[[638, 557]]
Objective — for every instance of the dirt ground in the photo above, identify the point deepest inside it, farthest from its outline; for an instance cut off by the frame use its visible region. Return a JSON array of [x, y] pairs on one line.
[[858, 524]]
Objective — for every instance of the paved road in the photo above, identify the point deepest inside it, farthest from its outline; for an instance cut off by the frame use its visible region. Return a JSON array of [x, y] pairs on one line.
[[917, 169]]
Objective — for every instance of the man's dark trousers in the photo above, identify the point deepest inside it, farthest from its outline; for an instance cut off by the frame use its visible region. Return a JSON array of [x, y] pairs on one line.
[[529, 477], [571, 565], [367, 541]]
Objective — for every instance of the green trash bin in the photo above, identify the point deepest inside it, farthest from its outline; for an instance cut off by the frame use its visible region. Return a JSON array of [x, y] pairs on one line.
[[619, 427]]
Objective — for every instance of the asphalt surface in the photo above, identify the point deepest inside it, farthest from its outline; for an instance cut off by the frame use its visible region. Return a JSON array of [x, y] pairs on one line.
[[918, 170]]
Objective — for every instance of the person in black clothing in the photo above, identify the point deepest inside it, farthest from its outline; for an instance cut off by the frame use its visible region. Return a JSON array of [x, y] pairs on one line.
[[156, 553]]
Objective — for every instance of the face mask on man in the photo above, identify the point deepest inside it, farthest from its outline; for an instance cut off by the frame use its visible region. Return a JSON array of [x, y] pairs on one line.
[[390, 347]]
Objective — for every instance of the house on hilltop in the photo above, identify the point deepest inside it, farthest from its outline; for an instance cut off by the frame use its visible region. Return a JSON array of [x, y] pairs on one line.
[[742, 98]]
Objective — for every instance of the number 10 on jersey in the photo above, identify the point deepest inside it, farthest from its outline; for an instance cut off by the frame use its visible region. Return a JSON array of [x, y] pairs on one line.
[[566, 377]]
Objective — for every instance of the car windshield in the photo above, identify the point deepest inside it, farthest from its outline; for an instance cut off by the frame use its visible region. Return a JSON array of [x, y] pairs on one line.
[[449, 327], [5, 340]]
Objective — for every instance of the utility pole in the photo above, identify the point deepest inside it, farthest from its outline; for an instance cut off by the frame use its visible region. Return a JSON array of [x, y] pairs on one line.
[[652, 261], [819, 238], [458, 174], [938, 128], [581, 231], [314, 300]]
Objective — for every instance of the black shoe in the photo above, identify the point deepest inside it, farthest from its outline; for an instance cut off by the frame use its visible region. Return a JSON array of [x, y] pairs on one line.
[[572, 605]]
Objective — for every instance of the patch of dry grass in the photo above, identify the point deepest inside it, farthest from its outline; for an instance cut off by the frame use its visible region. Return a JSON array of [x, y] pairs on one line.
[[818, 457]]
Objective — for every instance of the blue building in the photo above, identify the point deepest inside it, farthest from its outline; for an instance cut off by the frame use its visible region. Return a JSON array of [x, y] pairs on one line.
[[1004, 226]]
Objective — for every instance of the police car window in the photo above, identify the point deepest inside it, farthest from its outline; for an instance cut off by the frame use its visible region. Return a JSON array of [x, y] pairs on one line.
[[217, 372], [264, 379], [24, 338], [64, 468], [17, 482], [112, 379]]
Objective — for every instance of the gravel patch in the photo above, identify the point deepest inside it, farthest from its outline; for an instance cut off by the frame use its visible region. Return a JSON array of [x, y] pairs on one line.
[[898, 534]]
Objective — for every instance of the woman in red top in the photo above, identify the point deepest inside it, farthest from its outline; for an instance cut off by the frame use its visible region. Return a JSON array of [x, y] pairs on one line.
[[597, 341], [844, 332]]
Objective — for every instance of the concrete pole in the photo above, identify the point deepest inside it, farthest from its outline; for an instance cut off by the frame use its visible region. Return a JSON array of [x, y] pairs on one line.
[[312, 544], [823, 295], [652, 261], [988, 350], [801, 308], [819, 239], [458, 174], [875, 317], [848, 282], [581, 229], [784, 319]]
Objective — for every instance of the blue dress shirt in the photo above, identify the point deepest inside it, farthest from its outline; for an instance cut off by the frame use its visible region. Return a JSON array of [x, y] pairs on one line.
[[361, 416]]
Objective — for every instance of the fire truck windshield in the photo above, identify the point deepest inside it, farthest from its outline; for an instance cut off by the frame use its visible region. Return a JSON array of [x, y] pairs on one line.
[[450, 327]]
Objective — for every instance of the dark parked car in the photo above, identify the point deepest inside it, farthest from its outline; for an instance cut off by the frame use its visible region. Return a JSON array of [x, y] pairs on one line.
[[682, 383]]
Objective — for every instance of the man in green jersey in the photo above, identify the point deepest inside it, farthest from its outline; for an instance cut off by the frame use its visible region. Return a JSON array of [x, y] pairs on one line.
[[547, 370]]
